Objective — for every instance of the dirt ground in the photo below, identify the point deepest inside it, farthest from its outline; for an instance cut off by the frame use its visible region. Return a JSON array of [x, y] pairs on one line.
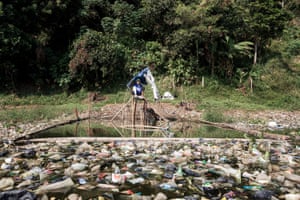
[[290, 119], [260, 119]]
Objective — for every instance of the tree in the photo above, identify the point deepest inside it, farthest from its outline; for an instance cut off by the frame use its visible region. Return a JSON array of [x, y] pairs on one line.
[[93, 11], [16, 46], [33, 37], [96, 59], [124, 23], [265, 20], [231, 52], [157, 18]]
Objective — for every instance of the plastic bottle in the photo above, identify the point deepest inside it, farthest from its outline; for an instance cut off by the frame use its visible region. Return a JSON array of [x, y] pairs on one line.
[[252, 187], [179, 171], [116, 176], [167, 186]]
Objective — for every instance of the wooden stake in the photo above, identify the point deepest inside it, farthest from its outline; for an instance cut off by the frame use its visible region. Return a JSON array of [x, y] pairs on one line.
[[133, 116], [251, 85], [76, 114], [89, 113]]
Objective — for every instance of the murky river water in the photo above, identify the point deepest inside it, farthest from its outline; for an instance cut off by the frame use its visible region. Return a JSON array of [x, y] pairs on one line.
[[183, 129]]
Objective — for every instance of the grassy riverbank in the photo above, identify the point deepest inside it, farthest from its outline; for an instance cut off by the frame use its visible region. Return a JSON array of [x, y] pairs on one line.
[[39, 106], [275, 86]]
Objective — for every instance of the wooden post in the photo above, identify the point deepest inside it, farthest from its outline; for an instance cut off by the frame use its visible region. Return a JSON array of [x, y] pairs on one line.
[[144, 111], [133, 116], [89, 128], [142, 121], [251, 85], [76, 114], [202, 82], [76, 129]]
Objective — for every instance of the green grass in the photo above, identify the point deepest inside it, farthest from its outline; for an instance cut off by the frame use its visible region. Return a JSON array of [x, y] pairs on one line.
[[33, 107], [213, 102], [210, 132], [278, 88]]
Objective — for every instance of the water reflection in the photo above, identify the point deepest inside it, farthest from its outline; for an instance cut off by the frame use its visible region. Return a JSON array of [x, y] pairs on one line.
[[178, 129]]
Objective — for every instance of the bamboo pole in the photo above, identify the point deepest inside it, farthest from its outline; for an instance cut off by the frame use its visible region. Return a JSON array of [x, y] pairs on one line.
[[116, 128], [145, 110], [134, 101], [121, 109], [141, 126], [89, 114], [141, 121]]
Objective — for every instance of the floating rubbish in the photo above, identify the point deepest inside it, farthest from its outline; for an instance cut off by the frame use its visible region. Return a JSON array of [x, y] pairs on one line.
[[74, 196], [82, 181], [117, 177], [191, 172], [263, 178], [179, 172], [263, 195], [29, 153], [24, 184], [160, 196], [210, 169], [292, 177], [6, 183], [5, 166], [61, 186], [78, 166], [252, 187], [136, 180], [292, 196], [209, 190], [34, 172], [4, 153], [168, 186], [18, 194], [229, 195], [8, 160], [108, 187]]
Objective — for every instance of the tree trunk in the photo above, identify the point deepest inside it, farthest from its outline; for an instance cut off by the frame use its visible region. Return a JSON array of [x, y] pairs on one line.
[[212, 61], [255, 52]]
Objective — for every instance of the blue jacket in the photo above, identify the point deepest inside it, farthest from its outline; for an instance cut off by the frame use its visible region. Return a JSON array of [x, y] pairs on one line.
[[141, 76], [137, 89]]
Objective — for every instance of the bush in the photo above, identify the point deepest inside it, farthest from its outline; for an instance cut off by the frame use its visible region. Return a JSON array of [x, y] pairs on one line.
[[214, 116]]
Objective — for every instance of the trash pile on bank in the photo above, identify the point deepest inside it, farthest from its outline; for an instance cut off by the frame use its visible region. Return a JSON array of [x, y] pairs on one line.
[[206, 169]]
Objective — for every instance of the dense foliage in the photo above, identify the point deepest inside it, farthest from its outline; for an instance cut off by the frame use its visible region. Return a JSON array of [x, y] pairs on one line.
[[89, 44]]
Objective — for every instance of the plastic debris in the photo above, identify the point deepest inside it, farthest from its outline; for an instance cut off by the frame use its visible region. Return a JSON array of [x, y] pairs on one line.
[[18, 194], [178, 170], [6, 183], [263, 195], [168, 95], [252, 187], [61, 186], [168, 186], [82, 181]]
